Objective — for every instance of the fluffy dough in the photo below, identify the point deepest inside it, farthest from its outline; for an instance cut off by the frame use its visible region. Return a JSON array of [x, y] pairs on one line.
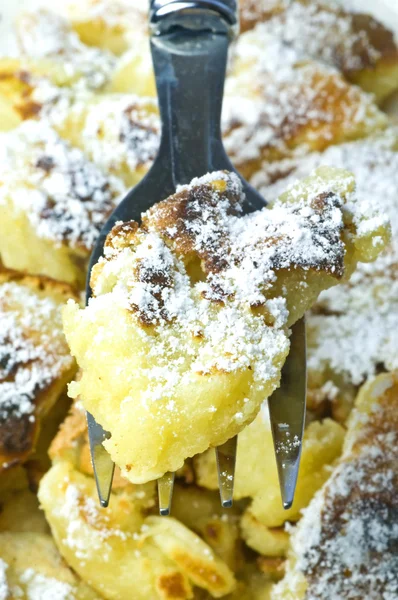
[[188, 327]]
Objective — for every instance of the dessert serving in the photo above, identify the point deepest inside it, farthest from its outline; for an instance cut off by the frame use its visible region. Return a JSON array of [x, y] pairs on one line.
[[186, 333], [188, 327]]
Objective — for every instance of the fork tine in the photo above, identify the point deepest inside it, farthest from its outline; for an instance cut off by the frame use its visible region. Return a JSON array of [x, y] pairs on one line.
[[103, 465], [165, 493], [226, 459], [287, 414]]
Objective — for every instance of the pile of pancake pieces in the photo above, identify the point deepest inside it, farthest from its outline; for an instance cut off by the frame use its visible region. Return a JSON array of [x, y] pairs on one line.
[[306, 87]]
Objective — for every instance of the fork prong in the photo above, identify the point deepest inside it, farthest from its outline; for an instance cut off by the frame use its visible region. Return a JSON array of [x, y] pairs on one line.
[[103, 465], [287, 414], [165, 493], [226, 459]]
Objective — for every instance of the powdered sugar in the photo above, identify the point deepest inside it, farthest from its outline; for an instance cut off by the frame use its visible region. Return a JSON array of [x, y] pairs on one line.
[[352, 331], [280, 103], [253, 11], [46, 35], [345, 544], [240, 258], [33, 351], [4, 590], [40, 587], [121, 132], [78, 505], [66, 198], [328, 34], [347, 538]]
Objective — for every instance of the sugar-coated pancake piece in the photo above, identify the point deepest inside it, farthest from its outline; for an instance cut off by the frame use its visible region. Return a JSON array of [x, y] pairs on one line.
[[53, 203], [279, 103], [119, 133], [188, 327], [352, 328], [51, 47], [345, 546], [355, 43], [139, 553], [31, 568], [263, 521], [109, 24], [35, 363]]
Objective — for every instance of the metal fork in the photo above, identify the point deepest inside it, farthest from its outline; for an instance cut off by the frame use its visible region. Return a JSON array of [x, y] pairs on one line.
[[189, 45]]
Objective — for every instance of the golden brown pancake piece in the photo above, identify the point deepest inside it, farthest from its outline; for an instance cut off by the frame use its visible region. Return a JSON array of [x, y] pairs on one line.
[[35, 364]]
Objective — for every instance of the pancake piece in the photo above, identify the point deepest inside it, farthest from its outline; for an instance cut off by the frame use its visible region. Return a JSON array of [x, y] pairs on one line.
[[53, 49], [109, 24], [346, 544], [357, 44], [160, 556], [196, 508], [31, 568], [53, 202], [120, 27], [35, 364], [124, 549], [257, 479], [119, 133], [188, 327], [23, 94], [201, 511], [352, 328], [279, 104], [252, 12]]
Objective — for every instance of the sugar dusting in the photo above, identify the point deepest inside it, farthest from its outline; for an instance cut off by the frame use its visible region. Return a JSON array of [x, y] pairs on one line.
[[353, 327], [122, 132], [149, 274], [44, 35], [40, 587], [65, 196], [33, 350], [280, 102], [329, 34], [36, 586], [76, 505], [4, 590], [346, 542]]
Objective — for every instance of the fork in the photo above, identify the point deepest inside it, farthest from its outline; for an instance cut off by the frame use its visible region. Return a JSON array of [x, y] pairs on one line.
[[189, 46]]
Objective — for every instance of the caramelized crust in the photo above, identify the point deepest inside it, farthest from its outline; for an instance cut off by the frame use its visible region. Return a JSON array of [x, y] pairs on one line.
[[346, 544], [289, 109], [195, 304], [357, 44], [34, 359], [18, 88], [351, 330]]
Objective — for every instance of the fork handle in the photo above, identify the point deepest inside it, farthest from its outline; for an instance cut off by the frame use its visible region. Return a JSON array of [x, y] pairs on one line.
[[189, 51]]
